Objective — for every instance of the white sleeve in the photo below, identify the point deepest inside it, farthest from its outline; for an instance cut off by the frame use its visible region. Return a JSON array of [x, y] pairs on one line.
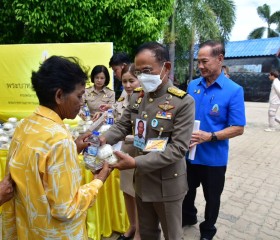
[[276, 84]]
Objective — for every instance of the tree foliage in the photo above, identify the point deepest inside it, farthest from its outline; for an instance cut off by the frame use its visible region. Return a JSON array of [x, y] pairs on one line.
[[197, 21], [126, 23], [264, 13]]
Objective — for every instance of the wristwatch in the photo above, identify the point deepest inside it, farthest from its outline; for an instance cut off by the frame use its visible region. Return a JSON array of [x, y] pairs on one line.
[[213, 137]]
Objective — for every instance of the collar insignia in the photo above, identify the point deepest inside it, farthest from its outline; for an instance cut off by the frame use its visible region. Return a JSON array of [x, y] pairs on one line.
[[120, 99], [139, 89]]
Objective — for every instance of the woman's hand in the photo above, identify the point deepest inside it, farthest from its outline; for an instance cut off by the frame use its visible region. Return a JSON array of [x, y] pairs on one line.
[[81, 141], [102, 140], [104, 107], [82, 116], [96, 116], [6, 189], [103, 173]]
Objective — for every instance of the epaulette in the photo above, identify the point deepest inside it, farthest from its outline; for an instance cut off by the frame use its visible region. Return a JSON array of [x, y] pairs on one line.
[[139, 89], [120, 99], [176, 92], [108, 88], [88, 85]]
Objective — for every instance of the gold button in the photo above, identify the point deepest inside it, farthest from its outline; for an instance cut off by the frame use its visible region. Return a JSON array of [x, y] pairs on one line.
[[175, 175], [145, 116], [139, 100], [169, 97], [151, 100]]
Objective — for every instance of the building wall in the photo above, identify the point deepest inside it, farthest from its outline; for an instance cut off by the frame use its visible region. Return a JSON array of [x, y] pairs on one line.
[[252, 74]]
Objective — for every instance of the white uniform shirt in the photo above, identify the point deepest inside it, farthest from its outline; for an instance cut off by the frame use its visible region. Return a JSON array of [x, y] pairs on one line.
[[274, 97]]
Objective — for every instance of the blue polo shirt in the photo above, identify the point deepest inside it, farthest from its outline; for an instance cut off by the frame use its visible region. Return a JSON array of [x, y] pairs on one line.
[[217, 107]]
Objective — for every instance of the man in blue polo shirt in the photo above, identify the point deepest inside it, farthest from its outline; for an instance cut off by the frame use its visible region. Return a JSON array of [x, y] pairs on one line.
[[219, 105]]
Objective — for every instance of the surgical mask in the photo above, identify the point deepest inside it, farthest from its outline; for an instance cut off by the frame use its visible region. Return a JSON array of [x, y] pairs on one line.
[[149, 82]]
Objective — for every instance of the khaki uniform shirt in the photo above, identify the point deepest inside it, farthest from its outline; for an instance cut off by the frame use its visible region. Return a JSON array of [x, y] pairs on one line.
[[159, 176], [95, 99], [120, 105]]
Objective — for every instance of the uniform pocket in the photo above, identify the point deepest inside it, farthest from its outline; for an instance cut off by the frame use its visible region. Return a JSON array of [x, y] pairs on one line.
[[174, 179], [165, 126], [217, 113]]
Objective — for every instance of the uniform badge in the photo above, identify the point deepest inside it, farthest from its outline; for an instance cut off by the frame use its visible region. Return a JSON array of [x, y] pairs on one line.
[[166, 106], [215, 110], [139, 100], [144, 115], [169, 97], [164, 115], [135, 106], [154, 123]]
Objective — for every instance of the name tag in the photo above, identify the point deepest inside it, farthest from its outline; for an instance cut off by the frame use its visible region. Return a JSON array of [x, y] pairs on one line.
[[156, 145]]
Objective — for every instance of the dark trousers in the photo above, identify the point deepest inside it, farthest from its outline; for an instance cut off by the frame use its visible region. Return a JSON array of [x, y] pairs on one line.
[[212, 180]]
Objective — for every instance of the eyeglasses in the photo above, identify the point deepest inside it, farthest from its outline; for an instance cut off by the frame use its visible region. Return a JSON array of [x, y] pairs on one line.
[[145, 70]]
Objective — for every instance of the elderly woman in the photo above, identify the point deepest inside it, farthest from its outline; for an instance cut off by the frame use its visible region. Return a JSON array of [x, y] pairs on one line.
[[50, 202]]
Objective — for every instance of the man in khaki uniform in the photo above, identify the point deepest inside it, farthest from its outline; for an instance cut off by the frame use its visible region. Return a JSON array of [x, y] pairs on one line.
[[160, 173]]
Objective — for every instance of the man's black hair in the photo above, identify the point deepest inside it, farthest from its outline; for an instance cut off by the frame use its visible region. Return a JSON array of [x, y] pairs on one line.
[[119, 58]]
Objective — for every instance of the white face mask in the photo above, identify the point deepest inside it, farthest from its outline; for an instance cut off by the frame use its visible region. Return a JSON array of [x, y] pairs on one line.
[[149, 82]]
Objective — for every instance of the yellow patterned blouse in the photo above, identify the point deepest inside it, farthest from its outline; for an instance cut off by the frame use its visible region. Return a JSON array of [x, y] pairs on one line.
[[49, 202]]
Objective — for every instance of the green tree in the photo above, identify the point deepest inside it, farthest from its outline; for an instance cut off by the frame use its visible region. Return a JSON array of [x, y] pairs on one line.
[[197, 21], [265, 14], [125, 23]]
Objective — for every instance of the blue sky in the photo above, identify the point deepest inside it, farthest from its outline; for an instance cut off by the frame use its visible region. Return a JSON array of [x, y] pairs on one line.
[[247, 17]]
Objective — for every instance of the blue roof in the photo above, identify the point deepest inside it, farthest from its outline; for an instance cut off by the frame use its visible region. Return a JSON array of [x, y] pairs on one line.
[[253, 48], [250, 48]]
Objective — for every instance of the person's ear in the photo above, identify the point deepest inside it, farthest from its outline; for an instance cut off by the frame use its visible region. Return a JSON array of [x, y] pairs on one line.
[[123, 65], [221, 58], [166, 70], [167, 66], [59, 96]]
